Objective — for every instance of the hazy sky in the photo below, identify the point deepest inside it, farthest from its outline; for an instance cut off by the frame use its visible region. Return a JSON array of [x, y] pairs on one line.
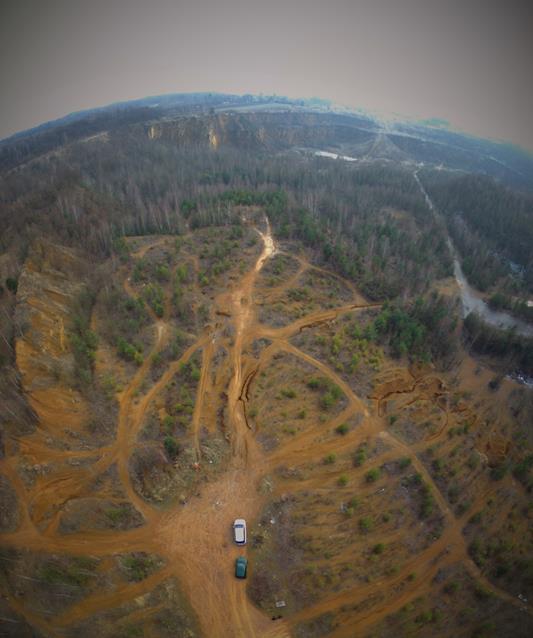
[[468, 61]]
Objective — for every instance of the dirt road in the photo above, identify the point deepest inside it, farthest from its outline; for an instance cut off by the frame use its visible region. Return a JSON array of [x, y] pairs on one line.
[[195, 538]]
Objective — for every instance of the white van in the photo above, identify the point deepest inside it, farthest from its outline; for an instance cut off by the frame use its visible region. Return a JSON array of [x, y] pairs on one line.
[[239, 531]]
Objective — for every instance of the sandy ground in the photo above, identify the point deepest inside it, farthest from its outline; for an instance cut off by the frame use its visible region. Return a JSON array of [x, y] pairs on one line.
[[195, 538]]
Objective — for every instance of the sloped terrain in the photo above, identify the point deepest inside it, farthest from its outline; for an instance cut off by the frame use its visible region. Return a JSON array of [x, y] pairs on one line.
[[242, 381]]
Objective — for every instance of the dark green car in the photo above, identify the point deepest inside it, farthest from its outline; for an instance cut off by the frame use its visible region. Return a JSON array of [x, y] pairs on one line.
[[240, 567]]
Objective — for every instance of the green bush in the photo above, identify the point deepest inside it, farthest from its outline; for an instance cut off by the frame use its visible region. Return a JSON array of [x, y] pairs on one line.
[[372, 475], [366, 524], [129, 352], [12, 284], [359, 457], [171, 446], [428, 502], [118, 514], [137, 567], [77, 572], [342, 429], [289, 393]]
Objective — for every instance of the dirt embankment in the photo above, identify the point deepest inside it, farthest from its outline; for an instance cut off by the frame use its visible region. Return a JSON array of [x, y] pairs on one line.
[[51, 280]]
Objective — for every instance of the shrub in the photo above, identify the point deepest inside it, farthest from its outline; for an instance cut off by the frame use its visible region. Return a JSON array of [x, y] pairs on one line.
[[128, 351], [171, 446], [428, 502], [12, 284], [366, 524], [330, 458], [522, 470], [342, 481], [137, 567], [162, 273], [288, 393], [359, 457], [327, 401], [75, 573], [372, 475], [378, 549], [342, 429], [118, 514], [437, 465]]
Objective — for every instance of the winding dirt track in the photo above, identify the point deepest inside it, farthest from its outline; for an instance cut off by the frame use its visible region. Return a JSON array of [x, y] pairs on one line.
[[194, 538]]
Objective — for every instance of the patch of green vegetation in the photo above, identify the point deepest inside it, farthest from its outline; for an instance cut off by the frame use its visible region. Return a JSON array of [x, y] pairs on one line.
[[428, 502], [129, 352], [118, 515], [288, 393], [342, 481], [372, 475], [12, 284], [138, 566], [154, 297], [190, 372], [76, 572], [331, 393], [342, 429], [423, 329], [162, 272], [366, 524], [522, 471], [83, 340], [172, 447], [359, 456], [429, 616], [330, 458]]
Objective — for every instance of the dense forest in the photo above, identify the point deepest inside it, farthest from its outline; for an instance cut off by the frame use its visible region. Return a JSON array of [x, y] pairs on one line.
[[491, 226], [368, 221]]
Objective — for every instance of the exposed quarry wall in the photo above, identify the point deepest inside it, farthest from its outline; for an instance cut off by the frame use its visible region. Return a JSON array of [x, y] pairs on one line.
[[49, 283], [269, 131]]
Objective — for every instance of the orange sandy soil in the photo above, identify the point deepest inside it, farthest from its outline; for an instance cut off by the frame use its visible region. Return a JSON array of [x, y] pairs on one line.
[[308, 544]]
